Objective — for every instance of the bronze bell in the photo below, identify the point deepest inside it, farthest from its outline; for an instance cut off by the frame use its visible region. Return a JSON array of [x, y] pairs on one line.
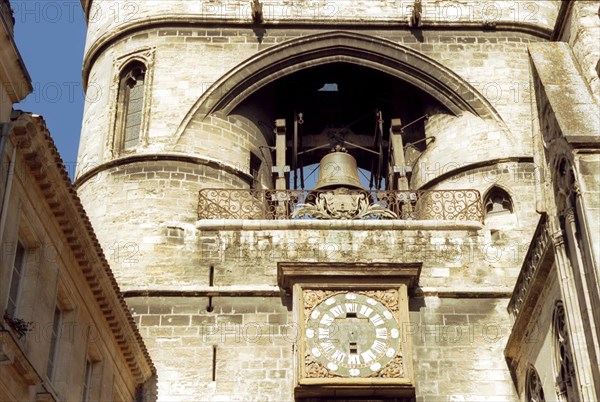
[[338, 169]]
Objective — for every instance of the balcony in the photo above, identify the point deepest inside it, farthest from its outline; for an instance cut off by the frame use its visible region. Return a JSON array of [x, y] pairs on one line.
[[345, 204]]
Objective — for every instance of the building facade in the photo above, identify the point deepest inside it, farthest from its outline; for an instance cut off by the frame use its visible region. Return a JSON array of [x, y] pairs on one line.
[[473, 123], [66, 332]]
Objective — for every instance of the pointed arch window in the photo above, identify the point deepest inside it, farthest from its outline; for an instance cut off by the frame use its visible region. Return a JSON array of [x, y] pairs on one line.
[[497, 201], [131, 101], [533, 387], [563, 358]]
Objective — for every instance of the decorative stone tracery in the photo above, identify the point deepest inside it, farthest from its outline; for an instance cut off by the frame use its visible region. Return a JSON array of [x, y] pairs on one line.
[[563, 357], [533, 387]]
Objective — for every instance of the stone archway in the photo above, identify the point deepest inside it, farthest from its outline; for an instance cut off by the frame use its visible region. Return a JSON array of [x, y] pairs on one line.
[[383, 55]]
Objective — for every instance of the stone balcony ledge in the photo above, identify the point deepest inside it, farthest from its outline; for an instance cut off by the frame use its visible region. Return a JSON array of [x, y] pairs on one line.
[[288, 224]]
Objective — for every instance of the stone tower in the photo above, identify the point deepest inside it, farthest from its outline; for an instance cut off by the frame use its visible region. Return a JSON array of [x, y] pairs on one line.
[[202, 123]]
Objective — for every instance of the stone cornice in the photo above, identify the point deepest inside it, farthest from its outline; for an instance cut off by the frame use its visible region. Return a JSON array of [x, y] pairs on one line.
[[34, 143], [347, 275], [163, 156]]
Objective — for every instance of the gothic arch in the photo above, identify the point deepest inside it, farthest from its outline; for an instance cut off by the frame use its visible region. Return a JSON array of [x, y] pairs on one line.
[[498, 199], [383, 55]]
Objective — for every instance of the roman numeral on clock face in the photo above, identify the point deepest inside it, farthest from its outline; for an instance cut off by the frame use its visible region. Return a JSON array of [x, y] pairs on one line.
[[376, 320], [368, 356], [378, 346], [353, 359], [337, 311], [381, 333], [327, 320], [323, 333], [339, 356], [327, 347], [366, 311]]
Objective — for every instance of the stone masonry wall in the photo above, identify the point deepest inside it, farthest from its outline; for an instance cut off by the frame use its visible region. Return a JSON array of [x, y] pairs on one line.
[[583, 34], [145, 211], [457, 347], [494, 63], [111, 17], [152, 209], [251, 338]]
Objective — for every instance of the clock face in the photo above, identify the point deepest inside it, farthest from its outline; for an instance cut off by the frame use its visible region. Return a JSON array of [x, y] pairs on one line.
[[352, 335]]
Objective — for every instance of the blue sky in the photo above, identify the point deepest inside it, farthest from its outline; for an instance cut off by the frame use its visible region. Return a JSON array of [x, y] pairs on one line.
[[50, 36]]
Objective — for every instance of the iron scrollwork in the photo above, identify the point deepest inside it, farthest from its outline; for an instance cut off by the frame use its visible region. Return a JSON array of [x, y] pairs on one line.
[[452, 205]]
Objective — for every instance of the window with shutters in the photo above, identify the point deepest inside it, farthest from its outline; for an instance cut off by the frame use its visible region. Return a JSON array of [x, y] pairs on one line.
[[16, 280], [54, 344]]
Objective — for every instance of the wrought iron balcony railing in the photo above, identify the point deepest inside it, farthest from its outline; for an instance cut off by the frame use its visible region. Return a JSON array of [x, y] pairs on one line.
[[452, 205]]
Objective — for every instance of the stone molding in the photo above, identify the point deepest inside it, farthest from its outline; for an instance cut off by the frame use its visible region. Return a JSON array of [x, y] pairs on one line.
[[451, 173], [296, 54], [146, 57], [537, 265], [564, 13], [275, 291], [348, 275], [163, 156], [103, 42], [288, 224]]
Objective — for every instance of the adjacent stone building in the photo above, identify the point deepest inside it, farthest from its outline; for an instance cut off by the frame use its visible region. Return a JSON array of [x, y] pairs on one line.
[[66, 332], [476, 127]]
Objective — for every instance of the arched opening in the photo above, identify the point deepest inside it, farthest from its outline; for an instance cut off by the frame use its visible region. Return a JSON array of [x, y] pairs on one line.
[[130, 106], [325, 76], [403, 62], [344, 105], [534, 391], [497, 202]]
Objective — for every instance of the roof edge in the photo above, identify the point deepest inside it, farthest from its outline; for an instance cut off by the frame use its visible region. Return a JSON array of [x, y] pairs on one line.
[[32, 138]]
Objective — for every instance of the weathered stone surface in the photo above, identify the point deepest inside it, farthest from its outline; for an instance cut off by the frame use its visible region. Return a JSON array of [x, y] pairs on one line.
[[209, 288]]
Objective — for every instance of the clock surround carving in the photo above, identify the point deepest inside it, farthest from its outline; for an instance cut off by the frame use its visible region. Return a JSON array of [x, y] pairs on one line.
[[356, 363]]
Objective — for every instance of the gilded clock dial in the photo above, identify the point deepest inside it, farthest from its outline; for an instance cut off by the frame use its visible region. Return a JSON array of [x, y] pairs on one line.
[[351, 334]]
